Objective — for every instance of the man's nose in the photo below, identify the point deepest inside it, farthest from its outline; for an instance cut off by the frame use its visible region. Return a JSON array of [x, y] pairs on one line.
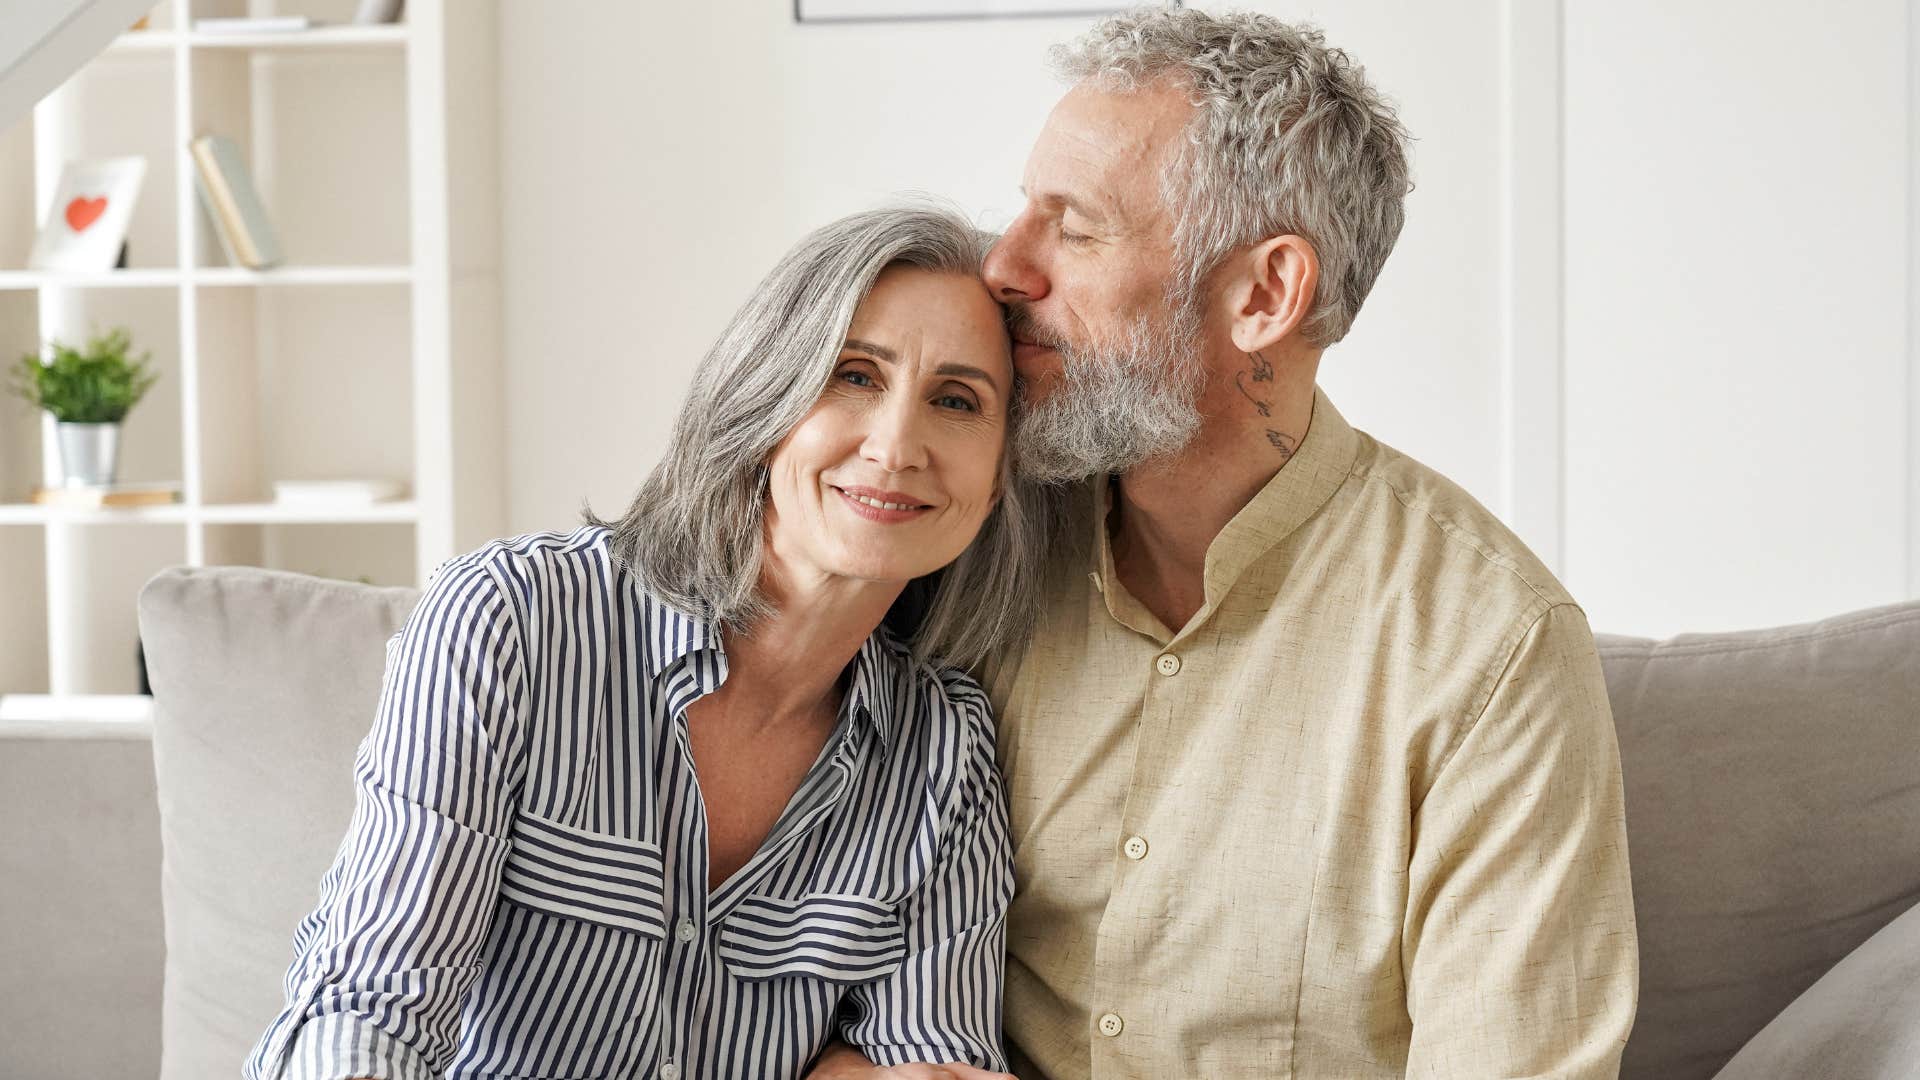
[[895, 441], [1012, 271]]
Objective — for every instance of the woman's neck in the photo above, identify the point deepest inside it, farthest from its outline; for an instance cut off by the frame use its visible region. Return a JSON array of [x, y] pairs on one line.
[[786, 666]]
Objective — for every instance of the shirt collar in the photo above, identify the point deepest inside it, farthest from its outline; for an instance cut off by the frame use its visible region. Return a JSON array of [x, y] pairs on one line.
[[673, 635], [872, 692], [1302, 486]]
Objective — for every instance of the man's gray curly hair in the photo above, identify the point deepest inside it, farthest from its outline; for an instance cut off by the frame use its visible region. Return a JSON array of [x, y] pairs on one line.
[[1287, 136]]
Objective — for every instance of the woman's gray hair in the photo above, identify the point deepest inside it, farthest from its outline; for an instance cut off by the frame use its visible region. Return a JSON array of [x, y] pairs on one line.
[[693, 534], [1287, 137]]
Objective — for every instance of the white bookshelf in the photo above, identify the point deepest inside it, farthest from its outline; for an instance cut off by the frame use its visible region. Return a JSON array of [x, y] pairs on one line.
[[371, 352]]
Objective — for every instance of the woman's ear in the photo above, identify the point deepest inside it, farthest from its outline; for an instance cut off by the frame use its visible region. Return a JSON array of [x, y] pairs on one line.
[[1273, 292]]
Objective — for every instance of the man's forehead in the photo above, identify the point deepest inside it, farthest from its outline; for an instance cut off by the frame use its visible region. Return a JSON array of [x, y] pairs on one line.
[[1102, 153]]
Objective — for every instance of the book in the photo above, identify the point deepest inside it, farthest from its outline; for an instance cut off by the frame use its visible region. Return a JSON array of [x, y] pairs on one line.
[[265, 24], [226, 187], [224, 227], [335, 492], [118, 495]]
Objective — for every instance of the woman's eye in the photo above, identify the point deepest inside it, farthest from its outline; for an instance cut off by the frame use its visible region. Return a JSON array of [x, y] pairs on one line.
[[856, 378], [956, 401]]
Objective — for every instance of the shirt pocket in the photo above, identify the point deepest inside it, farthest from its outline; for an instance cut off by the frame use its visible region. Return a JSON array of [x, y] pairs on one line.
[[573, 872], [837, 937], [571, 973]]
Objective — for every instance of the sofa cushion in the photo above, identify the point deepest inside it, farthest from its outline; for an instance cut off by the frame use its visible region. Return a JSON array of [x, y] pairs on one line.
[[1860, 1021], [1773, 818], [264, 684]]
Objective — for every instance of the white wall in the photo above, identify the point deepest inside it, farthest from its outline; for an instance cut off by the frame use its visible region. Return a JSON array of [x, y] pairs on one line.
[[1737, 311], [1650, 304]]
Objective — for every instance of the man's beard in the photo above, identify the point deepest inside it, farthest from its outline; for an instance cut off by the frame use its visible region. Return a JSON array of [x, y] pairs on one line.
[[1114, 405]]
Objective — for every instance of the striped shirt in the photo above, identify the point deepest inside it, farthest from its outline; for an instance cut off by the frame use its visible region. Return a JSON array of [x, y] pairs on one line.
[[522, 890]]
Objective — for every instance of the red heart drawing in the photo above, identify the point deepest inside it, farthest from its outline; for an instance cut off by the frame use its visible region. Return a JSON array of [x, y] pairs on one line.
[[82, 212]]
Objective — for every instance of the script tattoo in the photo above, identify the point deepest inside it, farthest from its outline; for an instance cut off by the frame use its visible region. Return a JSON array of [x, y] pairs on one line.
[[1264, 408], [1261, 372], [1282, 443]]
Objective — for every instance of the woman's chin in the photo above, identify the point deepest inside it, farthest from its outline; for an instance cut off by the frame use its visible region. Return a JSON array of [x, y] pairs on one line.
[[893, 567]]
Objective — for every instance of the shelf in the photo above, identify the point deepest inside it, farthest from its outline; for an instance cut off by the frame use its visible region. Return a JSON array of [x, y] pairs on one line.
[[304, 275], [320, 38], [159, 278], [38, 514], [220, 276], [399, 511], [323, 37], [267, 513], [78, 716]]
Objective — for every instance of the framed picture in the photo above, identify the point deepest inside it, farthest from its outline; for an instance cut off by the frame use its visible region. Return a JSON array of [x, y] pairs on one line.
[[87, 221], [815, 11]]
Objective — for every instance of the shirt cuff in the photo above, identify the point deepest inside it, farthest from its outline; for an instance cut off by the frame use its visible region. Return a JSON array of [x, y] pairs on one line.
[[889, 1054], [342, 1046]]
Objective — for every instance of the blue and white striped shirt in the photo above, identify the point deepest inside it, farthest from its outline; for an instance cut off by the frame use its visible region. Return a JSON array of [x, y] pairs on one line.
[[522, 890]]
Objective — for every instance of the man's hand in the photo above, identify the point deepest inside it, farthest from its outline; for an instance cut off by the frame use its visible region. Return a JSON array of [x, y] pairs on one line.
[[920, 1070], [842, 1062]]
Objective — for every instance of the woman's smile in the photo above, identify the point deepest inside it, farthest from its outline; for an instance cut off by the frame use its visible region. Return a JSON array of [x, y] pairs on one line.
[[886, 507]]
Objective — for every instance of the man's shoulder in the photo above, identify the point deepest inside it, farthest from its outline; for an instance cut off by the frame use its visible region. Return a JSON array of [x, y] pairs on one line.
[[1420, 509]]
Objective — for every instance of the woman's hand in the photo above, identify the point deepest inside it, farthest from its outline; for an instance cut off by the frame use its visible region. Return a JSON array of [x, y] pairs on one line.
[[841, 1062]]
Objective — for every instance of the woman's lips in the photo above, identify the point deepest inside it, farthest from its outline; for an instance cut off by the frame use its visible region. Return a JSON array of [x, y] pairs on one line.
[[886, 515]]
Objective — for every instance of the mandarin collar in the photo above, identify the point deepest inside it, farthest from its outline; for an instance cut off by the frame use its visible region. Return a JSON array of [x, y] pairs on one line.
[[1294, 494]]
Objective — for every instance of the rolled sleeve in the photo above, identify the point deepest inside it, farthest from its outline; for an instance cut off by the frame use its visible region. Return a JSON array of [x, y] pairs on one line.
[[383, 962], [943, 1002], [1519, 943]]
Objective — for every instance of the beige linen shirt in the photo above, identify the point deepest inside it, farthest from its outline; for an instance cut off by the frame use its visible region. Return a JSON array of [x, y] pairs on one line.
[[1360, 817]]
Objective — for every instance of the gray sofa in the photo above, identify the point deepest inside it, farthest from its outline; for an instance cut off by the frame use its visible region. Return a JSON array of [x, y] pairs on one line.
[[1773, 801]]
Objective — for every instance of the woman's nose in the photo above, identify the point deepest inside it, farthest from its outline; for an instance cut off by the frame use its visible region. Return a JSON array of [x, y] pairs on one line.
[[1012, 269], [895, 440]]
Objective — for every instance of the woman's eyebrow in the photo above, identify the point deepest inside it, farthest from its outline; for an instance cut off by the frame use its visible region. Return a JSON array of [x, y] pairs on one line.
[[965, 371], [880, 351]]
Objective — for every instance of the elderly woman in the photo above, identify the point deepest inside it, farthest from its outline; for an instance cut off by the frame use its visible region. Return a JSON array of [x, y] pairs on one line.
[[661, 797]]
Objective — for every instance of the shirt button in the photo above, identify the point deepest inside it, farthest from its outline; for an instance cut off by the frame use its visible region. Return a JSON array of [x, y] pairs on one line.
[[669, 1071], [1135, 848], [684, 932], [1168, 664], [1110, 1025]]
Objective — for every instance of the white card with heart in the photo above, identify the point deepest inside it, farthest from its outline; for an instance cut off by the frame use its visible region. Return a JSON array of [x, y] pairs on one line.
[[87, 220]]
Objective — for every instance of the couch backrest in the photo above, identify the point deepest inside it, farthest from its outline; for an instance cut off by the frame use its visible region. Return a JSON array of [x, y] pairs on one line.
[[1773, 818], [264, 683]]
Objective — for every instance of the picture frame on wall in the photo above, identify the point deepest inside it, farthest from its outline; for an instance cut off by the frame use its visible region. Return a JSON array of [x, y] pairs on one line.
[[87, 220], [824, 11]]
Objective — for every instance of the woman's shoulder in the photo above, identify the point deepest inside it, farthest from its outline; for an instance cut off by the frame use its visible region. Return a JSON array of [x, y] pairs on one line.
[[542, 579], [530, 560]]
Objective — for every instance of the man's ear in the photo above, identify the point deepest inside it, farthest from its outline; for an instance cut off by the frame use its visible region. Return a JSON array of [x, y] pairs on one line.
[[1273, 292]]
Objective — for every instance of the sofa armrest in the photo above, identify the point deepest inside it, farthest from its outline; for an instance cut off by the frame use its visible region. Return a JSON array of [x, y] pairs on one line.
[[80, 923]]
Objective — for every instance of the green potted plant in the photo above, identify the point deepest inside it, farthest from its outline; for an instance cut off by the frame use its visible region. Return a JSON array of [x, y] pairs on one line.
[[89, 392]]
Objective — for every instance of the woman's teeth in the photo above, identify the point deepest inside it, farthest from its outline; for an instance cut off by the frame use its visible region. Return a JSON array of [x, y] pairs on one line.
[[882, 505]]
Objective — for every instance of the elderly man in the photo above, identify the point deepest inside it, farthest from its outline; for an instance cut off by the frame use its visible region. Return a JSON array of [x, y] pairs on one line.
[[1310, 766]]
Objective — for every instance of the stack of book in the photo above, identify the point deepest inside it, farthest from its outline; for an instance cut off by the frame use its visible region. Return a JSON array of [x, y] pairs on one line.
[[227, 191], [336, 493], [117, 495]]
